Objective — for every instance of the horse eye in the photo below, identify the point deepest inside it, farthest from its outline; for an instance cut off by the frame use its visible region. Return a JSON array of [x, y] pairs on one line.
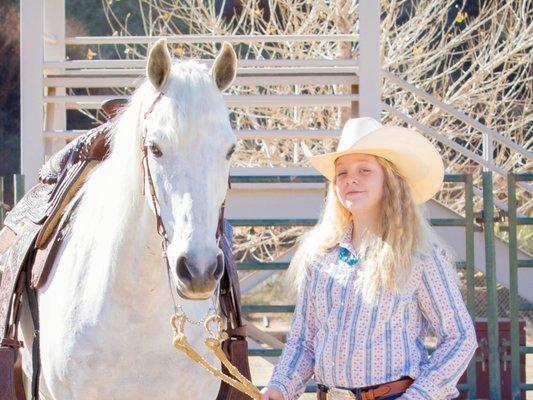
[[155, 150], [230, 152]]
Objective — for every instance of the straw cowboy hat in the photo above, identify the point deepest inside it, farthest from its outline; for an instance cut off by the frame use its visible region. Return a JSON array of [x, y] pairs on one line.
[[416, 159]]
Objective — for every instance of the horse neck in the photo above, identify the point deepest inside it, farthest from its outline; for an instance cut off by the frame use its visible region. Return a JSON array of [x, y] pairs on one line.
[[114, 231]]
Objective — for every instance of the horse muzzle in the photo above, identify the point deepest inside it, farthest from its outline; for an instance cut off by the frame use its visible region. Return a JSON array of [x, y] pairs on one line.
[[198, 278]]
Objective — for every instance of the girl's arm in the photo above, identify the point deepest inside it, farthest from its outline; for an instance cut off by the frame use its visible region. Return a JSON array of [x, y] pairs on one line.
[[297, 360], [442, 305]]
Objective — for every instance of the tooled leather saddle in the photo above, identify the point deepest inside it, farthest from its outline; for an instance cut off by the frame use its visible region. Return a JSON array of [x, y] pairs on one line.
[[32, 234]]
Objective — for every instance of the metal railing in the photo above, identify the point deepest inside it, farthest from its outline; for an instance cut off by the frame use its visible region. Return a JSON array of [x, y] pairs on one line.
[[467, 266], [488, 135], [18, 192], [518, 352]]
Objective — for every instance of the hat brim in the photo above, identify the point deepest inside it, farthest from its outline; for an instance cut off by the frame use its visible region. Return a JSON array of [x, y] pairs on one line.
[[416, 159]]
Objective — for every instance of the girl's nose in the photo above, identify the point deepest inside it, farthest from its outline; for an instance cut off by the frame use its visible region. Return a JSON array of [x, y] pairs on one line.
[[353, 178]]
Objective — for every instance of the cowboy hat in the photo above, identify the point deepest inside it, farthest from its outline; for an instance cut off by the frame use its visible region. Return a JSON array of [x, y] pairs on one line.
[[415, 158]]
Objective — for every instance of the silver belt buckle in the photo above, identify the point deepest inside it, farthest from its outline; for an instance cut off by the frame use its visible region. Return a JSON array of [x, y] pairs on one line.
[[340, 394]]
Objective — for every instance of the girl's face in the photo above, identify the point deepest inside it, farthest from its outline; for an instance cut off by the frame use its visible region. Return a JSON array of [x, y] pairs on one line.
[[359, 182]]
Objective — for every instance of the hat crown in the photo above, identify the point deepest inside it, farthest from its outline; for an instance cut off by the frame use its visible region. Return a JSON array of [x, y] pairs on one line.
[[355, 129]]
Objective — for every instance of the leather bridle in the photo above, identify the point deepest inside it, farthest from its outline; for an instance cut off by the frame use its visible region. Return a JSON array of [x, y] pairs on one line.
[[147, 176]]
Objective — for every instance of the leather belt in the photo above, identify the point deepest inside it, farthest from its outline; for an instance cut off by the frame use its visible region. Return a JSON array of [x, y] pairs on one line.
[[366, 393]]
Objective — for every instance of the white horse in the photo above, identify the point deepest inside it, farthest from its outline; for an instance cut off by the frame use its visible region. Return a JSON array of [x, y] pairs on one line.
[[104, 313]]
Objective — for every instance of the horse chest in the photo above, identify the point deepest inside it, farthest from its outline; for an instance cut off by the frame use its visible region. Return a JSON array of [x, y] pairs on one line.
[[136, 365], [120, 348], [134, 362]]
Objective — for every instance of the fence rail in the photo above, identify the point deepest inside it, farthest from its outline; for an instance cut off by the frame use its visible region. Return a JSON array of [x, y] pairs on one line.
[[83, 40]]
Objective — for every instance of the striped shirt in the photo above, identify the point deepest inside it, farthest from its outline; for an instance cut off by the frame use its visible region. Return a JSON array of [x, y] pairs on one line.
[[346, 343]]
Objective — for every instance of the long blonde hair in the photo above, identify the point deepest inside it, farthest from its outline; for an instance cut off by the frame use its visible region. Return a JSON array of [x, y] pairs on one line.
[[387, 257]]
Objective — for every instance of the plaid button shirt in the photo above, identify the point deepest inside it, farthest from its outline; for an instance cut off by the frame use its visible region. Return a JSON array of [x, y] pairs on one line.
[[347, 343]]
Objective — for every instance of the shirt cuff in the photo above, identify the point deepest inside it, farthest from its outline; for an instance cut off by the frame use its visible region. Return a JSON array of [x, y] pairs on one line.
[[284, 386]]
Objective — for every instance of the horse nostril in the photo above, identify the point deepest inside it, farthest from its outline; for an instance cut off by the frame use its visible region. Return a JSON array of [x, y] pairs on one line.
[[182, 270]]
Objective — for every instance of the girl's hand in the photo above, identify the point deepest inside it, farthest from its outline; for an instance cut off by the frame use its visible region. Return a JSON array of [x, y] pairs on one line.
[[271, 393]]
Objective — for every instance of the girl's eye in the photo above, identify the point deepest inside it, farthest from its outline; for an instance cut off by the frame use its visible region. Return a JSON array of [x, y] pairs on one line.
[[155, 150], [341, 173], [365, 170]]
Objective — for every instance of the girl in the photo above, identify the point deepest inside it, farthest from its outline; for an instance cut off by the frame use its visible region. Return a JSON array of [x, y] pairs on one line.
[[373, 277]]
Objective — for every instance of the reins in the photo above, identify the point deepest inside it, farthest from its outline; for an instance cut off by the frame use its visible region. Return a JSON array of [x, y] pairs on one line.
[[179, 318]]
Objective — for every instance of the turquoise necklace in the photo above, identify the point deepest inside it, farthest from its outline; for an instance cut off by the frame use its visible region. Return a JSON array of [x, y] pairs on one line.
[[347, 257]]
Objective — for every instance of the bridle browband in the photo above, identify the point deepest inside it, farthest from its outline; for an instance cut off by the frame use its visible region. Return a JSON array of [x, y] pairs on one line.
[[147, 176]]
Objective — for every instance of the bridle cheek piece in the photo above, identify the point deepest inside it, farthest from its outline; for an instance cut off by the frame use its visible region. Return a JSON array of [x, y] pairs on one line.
[[147, 177]]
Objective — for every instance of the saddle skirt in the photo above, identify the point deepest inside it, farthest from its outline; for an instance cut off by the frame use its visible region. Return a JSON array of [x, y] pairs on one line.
[[32, 207], [22, 226]]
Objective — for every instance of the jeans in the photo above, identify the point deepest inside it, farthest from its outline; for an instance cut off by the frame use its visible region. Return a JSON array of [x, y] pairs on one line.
[[394, 396]]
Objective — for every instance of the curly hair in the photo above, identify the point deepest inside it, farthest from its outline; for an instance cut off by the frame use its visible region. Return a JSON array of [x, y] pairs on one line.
[[387, 256]]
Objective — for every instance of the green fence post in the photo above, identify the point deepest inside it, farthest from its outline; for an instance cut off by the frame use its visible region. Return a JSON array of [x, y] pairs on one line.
[[513, 287], [470, 275], [18, 182], [490, 274]]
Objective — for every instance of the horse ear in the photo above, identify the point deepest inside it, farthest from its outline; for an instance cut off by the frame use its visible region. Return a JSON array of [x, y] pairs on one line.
[[159, 64], [224, 68]]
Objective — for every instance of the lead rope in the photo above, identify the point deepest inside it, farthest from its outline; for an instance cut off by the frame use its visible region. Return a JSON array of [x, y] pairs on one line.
[[213, 342], [179, 318]]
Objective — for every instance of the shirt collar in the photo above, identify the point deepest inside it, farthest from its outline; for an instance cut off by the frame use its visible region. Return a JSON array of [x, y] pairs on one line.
[[346, 240]]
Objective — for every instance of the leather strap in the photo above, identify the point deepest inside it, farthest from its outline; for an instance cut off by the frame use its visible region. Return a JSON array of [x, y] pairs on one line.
[[229, 287], [238, 331], [387, 389], [36, 352], [8, 342]]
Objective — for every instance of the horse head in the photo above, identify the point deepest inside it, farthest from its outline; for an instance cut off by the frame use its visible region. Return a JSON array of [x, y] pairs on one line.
[[188, 142]]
